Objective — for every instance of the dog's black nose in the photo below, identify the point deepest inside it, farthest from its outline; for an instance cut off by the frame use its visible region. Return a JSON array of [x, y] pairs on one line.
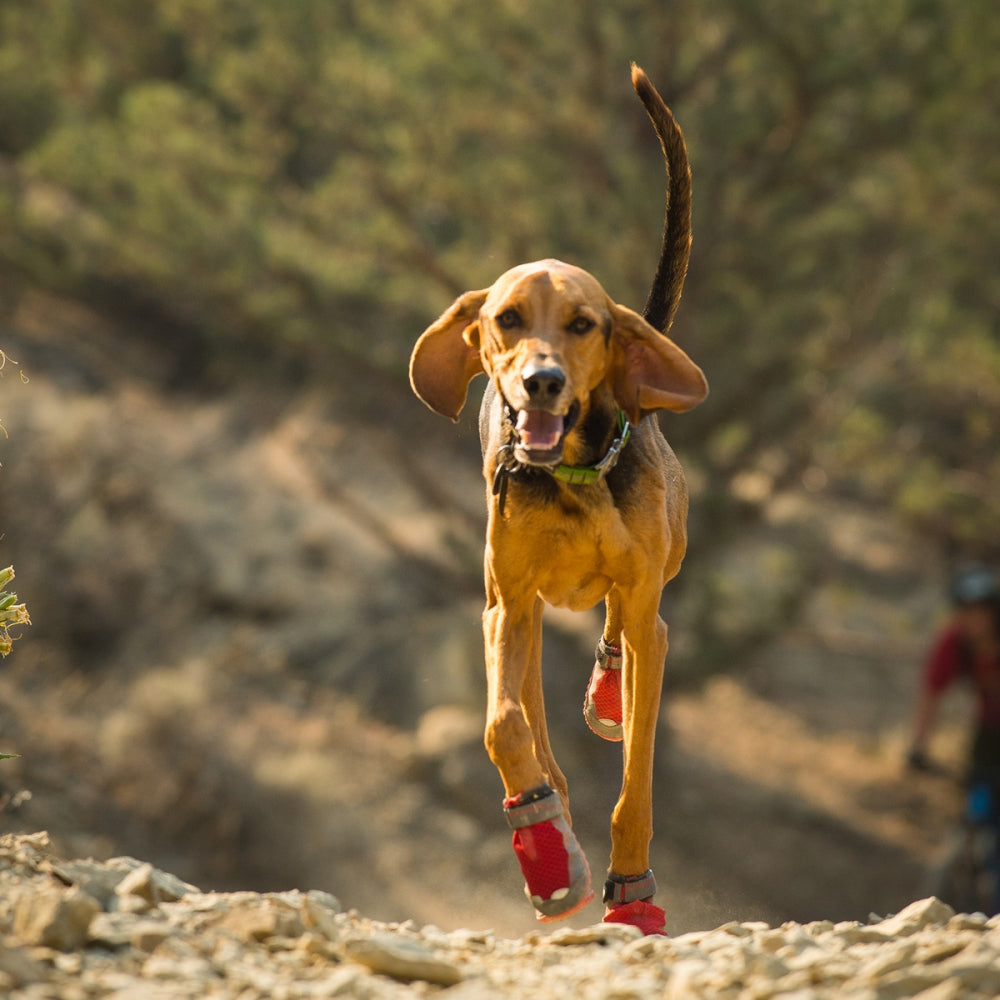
[[542, 384]]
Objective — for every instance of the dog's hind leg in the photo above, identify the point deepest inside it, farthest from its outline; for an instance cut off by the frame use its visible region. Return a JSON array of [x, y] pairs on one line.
[[613, 619], [630, 887], [602, 704]]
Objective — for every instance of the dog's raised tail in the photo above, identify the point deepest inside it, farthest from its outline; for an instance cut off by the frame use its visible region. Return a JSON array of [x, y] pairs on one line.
[[665, 293]]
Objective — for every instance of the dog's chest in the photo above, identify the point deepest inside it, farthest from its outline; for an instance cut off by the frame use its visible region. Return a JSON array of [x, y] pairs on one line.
[[576, 591], [571, 558]]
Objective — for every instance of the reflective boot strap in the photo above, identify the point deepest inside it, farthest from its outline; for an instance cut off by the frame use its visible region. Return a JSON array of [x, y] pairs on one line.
[[620, 889], [532, 807]]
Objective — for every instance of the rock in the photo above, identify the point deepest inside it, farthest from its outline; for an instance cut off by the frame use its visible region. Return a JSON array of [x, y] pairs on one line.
[[348, 981], [25, 848], [597, 934], [889, 959], [319, 911], [326, 900], [950, 989], [116, 930], [148, 935], [187, 967], [906, 983], [18, 969], [968, 922], [916, 915], [97, 879], [152, 885], [402, 958], [113, 881], [56, 918], [976, 966], [851, 932], [266, 917]]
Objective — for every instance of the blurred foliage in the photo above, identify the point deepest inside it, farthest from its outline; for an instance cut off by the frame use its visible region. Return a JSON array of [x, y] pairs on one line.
[[311, 176], [12, 614]]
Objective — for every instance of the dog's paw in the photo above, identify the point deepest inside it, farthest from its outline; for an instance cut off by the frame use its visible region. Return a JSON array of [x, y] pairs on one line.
[[602, 704], [555, 870], [641, 913]]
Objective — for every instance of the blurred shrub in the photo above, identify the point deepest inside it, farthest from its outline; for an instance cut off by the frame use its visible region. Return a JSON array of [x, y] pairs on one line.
[[314, 177]]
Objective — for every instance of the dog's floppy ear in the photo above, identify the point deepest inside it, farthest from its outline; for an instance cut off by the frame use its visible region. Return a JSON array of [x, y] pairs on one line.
[[650, 372], [446, 357]]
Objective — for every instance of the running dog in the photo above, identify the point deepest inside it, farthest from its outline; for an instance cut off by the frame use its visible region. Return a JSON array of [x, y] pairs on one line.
[[587, 502]]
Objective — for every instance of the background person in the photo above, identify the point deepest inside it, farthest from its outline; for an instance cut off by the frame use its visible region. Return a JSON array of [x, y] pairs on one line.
[[968, 649]]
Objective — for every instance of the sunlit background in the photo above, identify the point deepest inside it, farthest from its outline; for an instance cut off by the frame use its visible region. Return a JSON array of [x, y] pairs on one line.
[[252, 558]]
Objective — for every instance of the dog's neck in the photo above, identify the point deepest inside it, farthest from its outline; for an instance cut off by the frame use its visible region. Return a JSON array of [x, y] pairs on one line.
[[592, 448], [600, 424], [586, 475]]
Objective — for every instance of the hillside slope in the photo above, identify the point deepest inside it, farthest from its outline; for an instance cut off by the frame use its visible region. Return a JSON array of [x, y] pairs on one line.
[[256, 660]]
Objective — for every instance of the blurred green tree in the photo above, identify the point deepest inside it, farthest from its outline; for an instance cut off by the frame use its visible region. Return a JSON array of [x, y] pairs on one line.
[[315, 176]]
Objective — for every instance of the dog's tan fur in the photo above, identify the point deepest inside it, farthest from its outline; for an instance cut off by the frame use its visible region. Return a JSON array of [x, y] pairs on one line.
[[571, 546]]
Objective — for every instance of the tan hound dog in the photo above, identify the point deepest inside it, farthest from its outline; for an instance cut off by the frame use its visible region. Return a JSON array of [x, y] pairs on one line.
[[586, 502]]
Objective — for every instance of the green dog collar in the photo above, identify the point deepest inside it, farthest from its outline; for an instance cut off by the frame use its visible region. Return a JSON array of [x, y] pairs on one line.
[[588, 475]]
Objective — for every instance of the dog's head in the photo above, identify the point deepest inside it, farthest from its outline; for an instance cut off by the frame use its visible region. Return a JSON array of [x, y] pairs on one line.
[[549, 335]]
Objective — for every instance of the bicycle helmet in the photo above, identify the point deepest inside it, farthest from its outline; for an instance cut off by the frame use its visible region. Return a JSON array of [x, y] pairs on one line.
[[974, 584]]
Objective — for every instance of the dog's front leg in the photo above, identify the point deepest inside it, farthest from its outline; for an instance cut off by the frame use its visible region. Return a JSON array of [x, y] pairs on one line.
[[642, 679], [556, 875], [503, 728], [512, 635]]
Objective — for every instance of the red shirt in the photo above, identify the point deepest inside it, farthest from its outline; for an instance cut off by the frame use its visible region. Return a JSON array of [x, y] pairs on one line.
[[950, 660]]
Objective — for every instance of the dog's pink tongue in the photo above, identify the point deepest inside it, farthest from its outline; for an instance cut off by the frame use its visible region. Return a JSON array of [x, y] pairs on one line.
[[539, 429]]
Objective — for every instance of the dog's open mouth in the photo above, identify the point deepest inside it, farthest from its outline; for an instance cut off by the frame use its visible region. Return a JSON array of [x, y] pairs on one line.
[[540, 434]]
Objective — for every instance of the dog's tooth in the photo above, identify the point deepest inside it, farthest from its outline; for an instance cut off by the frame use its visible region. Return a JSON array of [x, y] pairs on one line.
[[560, 893]]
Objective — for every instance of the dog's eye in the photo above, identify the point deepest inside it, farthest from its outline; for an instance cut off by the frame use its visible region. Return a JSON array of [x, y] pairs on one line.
[[509, 319], [581, 325]]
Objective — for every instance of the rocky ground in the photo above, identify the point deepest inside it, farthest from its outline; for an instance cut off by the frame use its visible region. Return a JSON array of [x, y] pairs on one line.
[[122, 929]]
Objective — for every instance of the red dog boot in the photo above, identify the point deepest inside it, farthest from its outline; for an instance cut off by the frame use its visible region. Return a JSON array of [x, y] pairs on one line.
[[629, 900], [602, 706], [556, 875]]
